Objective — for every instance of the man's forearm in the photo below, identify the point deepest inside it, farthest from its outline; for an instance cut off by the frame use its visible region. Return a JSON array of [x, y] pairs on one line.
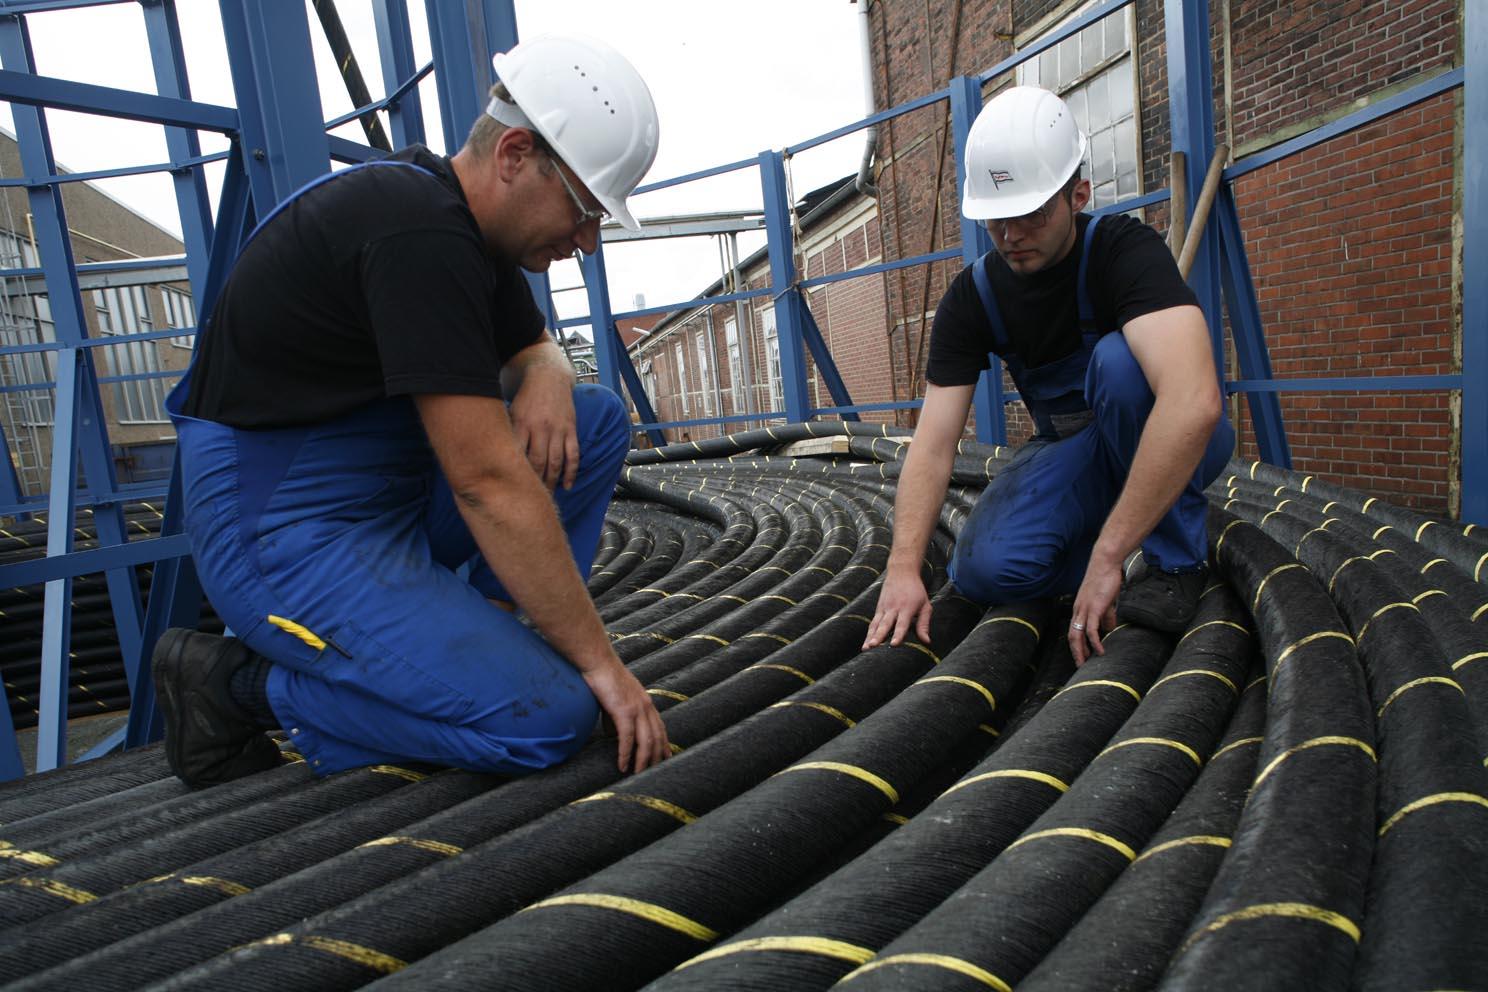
[[545, 357], [921, 491], [1171, 446]]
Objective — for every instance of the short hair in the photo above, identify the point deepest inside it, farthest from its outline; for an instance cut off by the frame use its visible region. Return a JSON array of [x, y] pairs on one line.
[[487, 130]]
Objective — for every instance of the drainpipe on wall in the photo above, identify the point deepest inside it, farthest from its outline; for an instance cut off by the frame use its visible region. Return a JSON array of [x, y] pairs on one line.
[[870, 136]]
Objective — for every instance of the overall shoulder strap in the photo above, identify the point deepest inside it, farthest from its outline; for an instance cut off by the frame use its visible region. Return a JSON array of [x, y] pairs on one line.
[[989, 302]]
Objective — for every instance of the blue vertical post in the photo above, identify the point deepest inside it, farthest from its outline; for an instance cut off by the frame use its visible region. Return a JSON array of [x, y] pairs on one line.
[[826, 366], [597, 289], [462, 66], [10, 483], [966, 103], [284, 143], [395, 47], [1191, 116], [1475, 265], [80, 428], [782, 281], [501, 25]]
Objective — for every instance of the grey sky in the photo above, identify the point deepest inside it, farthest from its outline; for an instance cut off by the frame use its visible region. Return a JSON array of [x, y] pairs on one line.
[[730, 80]]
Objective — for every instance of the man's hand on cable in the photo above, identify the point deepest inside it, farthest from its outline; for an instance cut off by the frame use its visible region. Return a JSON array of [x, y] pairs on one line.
[[1095, 606], [545, 426], [902, 605], [629, 710]]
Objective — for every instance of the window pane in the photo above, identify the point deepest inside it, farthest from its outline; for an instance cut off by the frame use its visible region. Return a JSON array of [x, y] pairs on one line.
[[1115, 31], [1049, 69], [1069, 61], [1121, 94], [1100, 105], [1077, 104], [1090, 47], [1103, 157], [1126, 146]]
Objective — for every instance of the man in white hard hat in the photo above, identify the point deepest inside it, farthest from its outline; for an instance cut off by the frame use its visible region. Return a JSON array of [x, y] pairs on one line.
[[1110, 353], [383, 454]]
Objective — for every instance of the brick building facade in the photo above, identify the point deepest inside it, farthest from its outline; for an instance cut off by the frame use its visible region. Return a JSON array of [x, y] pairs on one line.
[[1352, 244]]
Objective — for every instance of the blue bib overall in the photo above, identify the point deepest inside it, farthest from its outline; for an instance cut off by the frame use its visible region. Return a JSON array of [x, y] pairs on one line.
[[333, 548], [1032, 530]]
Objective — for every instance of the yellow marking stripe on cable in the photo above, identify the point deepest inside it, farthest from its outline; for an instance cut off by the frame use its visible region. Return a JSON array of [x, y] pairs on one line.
[[1376, 534], [650, 802], [849, 616], [1032, 776], [1224, 534], [845, 600], [1475, 656], [1293, 910], [899, 819], [1305, 745], [820, 946], [738, 599], [669, 694], [1427, 595], [52, 888], [1017, 620], [1340, 568], [830, 711], [9, 850], [1365, 508], [1242, 742], [1260, 588], [1208, 839], [1201, 671], [922, 649], [220, 884], [1411, 685], [1083, 834], [1303, 642], [1253, 467], [706, 637], [987, 728], [819, 568], [406, 774], [1160, 741], [448, 850], [1440, 797], [945, 961], [364, 956], [290, 627], [785, 668], [1329, 505], [1111, 682], [861, 774], [1421, 529], [783, 599], [986, 693], [1478, 612], [1434, 561], [773, 637], [1478, 568], [648, 911], [648, 633], [1210, 623], [1383, 609]]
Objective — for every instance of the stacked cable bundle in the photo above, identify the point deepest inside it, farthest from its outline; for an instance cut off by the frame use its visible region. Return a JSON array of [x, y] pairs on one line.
[[1289, 795]]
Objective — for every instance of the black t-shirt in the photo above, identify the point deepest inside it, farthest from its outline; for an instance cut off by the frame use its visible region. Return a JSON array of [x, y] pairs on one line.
[[1131, 273], [376, 283]]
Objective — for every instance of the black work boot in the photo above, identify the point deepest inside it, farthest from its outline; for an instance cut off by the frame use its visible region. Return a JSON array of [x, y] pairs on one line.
[[1164, 601], [209, 738]]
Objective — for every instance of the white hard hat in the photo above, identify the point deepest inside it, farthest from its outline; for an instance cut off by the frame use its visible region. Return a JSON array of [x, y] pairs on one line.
[[1022, 149], [590, 105]]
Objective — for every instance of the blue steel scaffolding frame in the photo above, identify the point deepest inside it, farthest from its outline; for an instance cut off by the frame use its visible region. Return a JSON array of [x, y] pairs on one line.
[[278, 144]]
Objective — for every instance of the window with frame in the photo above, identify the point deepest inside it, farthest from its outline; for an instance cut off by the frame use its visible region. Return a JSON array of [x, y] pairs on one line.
[[1094, 72], [179, 312], [772, 355], [704, 379], [735, 362], [125, 310], [680, 364], [31, 323]]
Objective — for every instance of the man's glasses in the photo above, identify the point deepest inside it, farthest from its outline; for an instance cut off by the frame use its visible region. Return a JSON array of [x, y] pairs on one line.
[[1033, 220], [585, 213]]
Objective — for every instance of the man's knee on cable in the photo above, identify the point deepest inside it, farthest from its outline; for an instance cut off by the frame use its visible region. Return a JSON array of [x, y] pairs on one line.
[[999, 571], [552, 733]]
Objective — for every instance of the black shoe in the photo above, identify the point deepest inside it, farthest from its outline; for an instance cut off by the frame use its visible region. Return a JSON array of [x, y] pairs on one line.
[[209, 738], [1164, 601]]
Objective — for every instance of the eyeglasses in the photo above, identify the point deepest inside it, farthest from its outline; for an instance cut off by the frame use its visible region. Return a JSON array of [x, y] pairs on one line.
[[1033, 220], [586, 214]]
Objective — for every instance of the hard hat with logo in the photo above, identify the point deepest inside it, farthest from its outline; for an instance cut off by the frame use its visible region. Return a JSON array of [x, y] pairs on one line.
[[589, 103], [1022, 149]]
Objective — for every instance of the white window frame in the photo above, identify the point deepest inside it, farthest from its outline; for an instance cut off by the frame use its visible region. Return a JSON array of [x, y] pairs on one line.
[[679, 359], [735, 362], [125, 310], [701, 343], [772, 357], [180, 311]]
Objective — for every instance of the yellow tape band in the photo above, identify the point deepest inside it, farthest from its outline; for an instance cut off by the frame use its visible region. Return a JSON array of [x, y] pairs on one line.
[[648, 911], [290, 627], [407, 775], [1377, 533], [1476, 656], [1383, 609], [1427, 595], [1434, 561], [773, 637], [1307, 745], [1211, 623], [1031, 776], [819, 946], [1346, 563], [784, 668], [1478, 612], [1083, 834], [1442, 679], [830, 711], [706, 637], [1253, 467], [1478, 568], [1159, 741], [860, 774], [923, 650], [1092, 682], [1255, 604], [945, 961], [51, 888], [1224, 534], [1242, 742], [220, 884], [1201, 671], [650, 802], [1310, 638], [986, 693], [9, 850], [668, 694], [646, 633], [1017, 620], [784, 599], [1206, 839], [898, 819], [1293, 910], [1440, 797], [434, 846]]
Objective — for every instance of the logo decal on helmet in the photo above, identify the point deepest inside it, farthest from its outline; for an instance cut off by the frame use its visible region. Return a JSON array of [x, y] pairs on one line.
[[999, 177]]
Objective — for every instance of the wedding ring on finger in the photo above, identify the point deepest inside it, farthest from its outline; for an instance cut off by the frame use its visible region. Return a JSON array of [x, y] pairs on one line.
[[1076, 626]]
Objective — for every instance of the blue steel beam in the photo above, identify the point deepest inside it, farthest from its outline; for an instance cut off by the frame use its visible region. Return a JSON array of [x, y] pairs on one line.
[[1191, 116], [462, 67], [56, 628], [597, 289], [395, 45], [988, 400], [824, 362], [1475, 265], [782, 283], [63, 94], [284, 143]]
